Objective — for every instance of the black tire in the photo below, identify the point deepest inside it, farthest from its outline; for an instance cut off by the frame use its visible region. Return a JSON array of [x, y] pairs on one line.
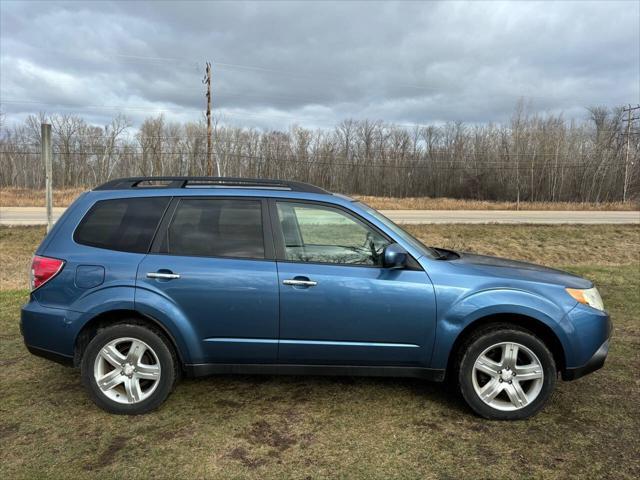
[[491, 335], [166, 357]]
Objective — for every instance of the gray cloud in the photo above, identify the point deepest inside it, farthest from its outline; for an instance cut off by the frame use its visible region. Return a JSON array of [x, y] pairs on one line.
[[316, 63]]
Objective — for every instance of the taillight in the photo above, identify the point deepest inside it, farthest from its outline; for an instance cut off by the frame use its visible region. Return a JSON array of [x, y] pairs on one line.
[[44, 269]]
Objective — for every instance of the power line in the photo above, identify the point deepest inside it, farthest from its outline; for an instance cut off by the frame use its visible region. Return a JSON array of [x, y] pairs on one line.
[[336, 80], [140, 149], [288, 73], [426, 164], [223, 113]]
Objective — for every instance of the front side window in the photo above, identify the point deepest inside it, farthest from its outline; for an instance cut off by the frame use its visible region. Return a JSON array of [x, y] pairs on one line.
[[322, 234], [216, 228], [124, 224]]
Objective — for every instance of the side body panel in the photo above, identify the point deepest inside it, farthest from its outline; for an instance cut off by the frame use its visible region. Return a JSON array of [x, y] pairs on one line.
[[225, 310], [356, 316]]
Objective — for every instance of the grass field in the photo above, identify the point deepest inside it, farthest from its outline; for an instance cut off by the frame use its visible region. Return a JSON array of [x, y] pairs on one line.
[[23, 197], [428, 203], [295, 427]]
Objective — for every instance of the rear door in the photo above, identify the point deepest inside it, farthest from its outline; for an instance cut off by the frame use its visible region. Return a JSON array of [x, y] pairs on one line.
[[213, 258], [338, 303]]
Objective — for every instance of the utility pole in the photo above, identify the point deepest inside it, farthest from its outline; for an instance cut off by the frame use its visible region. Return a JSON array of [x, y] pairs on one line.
[[46, 154], [207, 81], [629, 121]]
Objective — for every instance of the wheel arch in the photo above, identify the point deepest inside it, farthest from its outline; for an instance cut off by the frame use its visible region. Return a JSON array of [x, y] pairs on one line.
[[112, 317], [535, 326]]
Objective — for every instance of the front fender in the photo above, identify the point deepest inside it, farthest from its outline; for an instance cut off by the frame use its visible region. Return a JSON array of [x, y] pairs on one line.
[[453, 319]]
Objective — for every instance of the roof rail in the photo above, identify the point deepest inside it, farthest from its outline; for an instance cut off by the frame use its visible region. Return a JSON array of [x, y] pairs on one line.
[[200, 182]]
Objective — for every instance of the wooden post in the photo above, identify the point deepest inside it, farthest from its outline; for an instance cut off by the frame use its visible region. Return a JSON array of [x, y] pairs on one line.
[[47, 159], [207, 79]]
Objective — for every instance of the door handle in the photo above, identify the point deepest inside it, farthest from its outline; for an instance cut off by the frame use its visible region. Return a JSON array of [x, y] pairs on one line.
[[163, 276], [300, 283]]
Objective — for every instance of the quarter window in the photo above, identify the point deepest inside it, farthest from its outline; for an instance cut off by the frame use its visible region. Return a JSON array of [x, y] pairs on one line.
[[124, 224], [216, 228], [319, 234]]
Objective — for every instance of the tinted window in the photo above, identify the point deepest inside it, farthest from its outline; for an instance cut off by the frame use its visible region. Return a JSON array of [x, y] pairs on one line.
[[315, 233], [216, 228], [125, 224]]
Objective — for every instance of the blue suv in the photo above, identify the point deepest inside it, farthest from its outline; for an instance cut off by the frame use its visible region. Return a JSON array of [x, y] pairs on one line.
[[144, 280]]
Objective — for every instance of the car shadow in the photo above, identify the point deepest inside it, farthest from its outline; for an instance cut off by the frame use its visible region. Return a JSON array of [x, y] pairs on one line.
[[310, 388]]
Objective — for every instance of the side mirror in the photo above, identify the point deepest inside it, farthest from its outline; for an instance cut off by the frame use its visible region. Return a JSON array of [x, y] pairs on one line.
[[395, 256]]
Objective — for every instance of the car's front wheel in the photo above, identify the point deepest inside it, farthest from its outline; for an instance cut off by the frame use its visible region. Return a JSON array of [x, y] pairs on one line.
[[506, 373], [129, 369]]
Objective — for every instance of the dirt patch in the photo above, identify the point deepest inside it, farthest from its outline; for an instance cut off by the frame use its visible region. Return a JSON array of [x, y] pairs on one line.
[[263, 433], [108, 457], [478, 427], [9, 361], [224, 403], [277, 440], [301, 395], [427, 425], [8, 430], [242, 455]]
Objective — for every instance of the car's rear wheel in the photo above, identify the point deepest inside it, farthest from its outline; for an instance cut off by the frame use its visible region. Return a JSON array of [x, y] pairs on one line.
[[129, 369], [506, 373]]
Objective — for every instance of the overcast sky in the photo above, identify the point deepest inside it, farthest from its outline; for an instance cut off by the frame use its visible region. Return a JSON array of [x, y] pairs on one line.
[[317, 63]]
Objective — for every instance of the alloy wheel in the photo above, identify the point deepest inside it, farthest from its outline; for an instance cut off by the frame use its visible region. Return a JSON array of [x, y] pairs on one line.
[[507, 376], [127, 370]]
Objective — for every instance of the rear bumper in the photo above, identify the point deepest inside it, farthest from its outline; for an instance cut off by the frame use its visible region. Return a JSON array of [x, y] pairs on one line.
[[595, 362], [49, 355], [47, 331]]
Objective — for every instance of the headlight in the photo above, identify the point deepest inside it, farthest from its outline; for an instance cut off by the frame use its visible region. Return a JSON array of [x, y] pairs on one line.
[[590, 297]]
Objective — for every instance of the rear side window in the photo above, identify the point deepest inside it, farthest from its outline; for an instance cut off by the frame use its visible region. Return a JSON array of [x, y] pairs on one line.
[[124, 224], [216, 228]]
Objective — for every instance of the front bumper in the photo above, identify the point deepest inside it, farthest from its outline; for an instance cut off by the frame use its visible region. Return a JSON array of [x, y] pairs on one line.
[[588, 333], [595, 362]]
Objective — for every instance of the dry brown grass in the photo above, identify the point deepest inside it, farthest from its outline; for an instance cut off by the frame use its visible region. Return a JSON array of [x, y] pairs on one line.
[[551, 245], [17, 245], [428, 203], [272, 427], [24, 197]]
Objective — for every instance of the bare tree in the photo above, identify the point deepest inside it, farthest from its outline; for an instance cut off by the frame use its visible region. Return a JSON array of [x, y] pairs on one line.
[[533, 157]]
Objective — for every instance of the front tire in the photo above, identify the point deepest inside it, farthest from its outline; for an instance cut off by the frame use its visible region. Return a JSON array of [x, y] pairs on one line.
[[129, 369], [506, 373]]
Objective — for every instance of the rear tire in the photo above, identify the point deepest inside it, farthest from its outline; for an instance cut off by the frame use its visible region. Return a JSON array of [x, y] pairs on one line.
[[129, 369], [506, 373]]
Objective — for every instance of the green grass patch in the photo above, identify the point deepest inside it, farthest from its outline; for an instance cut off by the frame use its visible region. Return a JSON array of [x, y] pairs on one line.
[[314, 427]]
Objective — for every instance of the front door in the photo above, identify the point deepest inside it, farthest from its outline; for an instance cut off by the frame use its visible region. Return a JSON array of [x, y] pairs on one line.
[[215, 264], [338, 304]]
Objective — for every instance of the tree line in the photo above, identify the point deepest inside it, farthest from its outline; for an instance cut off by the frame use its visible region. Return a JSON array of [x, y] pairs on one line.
[[530, 158]]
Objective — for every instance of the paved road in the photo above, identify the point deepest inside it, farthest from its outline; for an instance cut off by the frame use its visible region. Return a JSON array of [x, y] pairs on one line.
[[37, 216], [510, 216]]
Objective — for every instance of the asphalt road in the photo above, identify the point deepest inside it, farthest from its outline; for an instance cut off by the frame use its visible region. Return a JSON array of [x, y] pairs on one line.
[[37, 216]]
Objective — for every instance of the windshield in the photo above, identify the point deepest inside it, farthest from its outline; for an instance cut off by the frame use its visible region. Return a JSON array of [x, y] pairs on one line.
[[406, 236]]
